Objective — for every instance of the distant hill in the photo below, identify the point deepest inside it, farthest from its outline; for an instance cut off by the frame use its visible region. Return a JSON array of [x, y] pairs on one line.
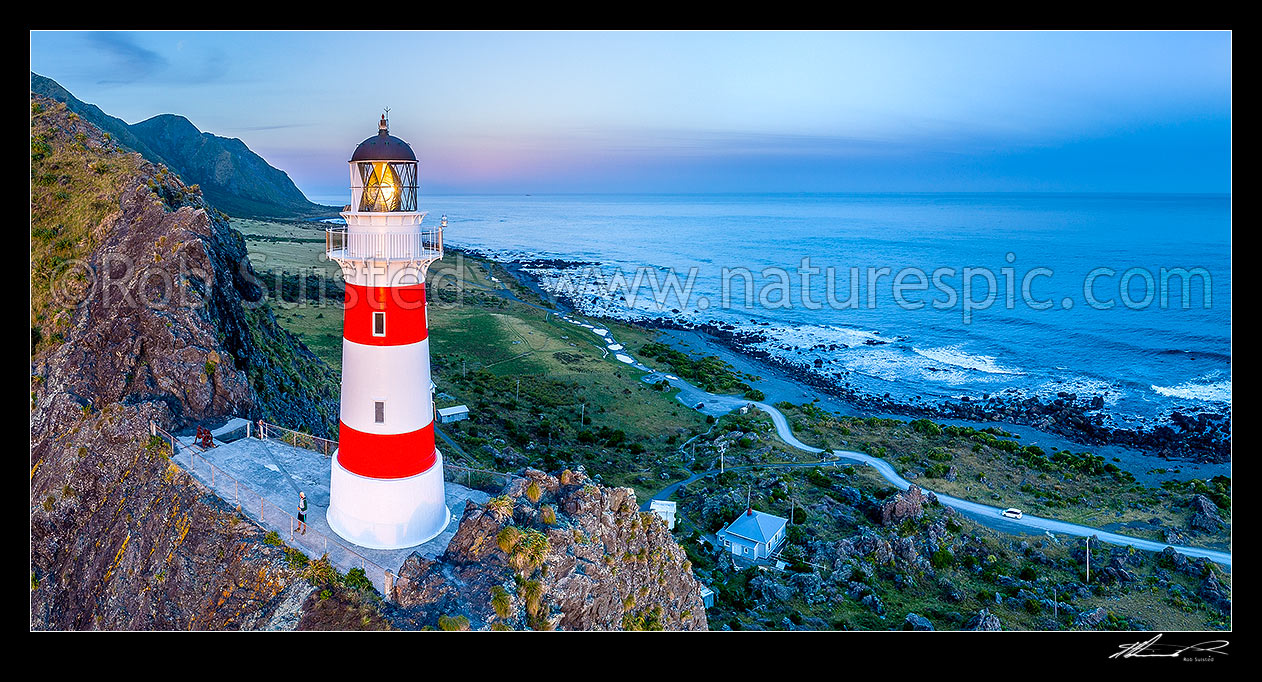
[[232, 178]]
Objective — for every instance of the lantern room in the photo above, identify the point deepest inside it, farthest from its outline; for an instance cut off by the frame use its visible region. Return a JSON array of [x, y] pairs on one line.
[[383, 174]]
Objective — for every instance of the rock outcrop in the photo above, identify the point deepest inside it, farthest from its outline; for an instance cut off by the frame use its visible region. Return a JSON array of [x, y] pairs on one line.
[[915, 621], [984, 621], [1089, 620], [1205, 516], [158, 320], [909, 504], [556, 553]]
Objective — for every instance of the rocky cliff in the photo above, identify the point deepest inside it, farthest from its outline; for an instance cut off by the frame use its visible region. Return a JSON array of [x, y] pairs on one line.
[[555, 553], [144, 307], [234, 178]]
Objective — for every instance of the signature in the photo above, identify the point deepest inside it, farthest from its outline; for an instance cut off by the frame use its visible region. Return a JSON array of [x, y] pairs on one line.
[[1151, 649]]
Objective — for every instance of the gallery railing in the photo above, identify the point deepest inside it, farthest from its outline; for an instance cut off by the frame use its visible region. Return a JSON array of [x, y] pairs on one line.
[[423, 245]]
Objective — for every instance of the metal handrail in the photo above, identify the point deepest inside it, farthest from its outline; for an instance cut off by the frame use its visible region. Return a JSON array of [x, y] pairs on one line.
[[423, 245], [389, 580], [327, 447], [297, 439]]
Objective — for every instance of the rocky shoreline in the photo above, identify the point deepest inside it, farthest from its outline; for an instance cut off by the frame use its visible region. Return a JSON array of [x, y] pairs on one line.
[[1202, 437]]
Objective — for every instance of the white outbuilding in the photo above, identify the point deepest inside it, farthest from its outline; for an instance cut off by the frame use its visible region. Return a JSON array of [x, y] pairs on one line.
[[447, 415], [754, 535], [707, 597], [664, 509]]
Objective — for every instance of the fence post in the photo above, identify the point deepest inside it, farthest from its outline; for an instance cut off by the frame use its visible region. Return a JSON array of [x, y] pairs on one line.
[[388, 591], [236, 491]]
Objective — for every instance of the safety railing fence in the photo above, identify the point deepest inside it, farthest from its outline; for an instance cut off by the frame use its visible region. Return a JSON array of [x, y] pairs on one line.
[[269, 515], [486, 480], [420, 245], [253, 504], [298, 439]]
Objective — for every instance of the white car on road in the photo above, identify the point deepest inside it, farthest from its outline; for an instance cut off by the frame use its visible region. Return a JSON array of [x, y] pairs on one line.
[[1012, 513]]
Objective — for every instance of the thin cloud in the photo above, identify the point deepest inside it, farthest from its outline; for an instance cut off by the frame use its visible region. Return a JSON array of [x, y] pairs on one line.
[[131, 61], [126, 61]]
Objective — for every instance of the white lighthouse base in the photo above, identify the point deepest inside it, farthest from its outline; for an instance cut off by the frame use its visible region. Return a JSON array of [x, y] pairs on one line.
[[388, 513]]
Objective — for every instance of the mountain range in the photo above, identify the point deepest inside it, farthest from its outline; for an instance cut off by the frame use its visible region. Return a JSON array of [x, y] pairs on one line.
[[232, 178]]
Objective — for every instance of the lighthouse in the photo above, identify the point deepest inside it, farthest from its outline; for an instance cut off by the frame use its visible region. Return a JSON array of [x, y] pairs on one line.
[[386, 490]]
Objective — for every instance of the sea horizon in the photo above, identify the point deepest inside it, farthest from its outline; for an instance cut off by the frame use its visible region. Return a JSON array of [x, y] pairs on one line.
[[1143, 366]]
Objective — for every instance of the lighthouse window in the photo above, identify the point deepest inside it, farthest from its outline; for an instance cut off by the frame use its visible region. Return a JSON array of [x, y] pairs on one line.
[[378, 324], [388, 186], [379, 412]]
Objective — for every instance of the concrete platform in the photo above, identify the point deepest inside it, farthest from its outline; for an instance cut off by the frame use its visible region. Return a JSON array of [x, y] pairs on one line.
[[264, 477]]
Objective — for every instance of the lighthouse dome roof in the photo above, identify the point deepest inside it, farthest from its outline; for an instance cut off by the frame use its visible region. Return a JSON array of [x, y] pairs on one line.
[[383, 147]]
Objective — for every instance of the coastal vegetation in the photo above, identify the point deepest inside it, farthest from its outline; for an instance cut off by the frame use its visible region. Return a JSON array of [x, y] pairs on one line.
[[850, 565], [993, 467], [74, 181], [709, 373], [543, 393]]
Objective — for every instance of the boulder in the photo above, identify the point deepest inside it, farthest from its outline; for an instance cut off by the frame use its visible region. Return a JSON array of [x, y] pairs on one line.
[[1215, 594], [1091, 619], [1205, 516], [768, 589], [809, 585], [850, 496], [917, 622], [984, 621], [908, 504], [873, 603]]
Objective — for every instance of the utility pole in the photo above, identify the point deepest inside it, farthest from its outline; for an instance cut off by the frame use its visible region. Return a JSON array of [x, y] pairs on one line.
[[1088, 560], [462, 373], [582, 415], [518, 398], [792, 508]]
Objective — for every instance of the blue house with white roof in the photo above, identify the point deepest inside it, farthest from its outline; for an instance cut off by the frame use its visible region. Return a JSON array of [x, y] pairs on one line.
[[753, 535]]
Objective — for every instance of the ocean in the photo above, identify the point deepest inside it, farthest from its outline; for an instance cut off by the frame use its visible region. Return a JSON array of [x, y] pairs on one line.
[[1162, 261]]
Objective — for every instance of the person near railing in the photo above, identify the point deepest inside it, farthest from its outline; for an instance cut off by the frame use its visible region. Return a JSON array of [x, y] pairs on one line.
[[302, 513], [205, 438]]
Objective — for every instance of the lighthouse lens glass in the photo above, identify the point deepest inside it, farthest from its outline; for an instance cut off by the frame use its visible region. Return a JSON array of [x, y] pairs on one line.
[[388, 186]]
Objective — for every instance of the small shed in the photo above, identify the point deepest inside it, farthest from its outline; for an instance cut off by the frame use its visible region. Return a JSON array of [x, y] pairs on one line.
[[447, 415], [707, 597], [753, 535], [664, 509]]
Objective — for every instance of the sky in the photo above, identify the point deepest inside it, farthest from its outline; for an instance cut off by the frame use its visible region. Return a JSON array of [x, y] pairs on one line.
[[685, 112]]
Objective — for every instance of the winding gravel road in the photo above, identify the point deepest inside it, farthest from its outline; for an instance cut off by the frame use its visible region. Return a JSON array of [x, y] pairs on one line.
[[991, 517], [985, 514]]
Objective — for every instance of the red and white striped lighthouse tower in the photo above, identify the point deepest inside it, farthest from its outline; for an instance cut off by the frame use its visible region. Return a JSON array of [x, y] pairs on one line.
[[387, 483]]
